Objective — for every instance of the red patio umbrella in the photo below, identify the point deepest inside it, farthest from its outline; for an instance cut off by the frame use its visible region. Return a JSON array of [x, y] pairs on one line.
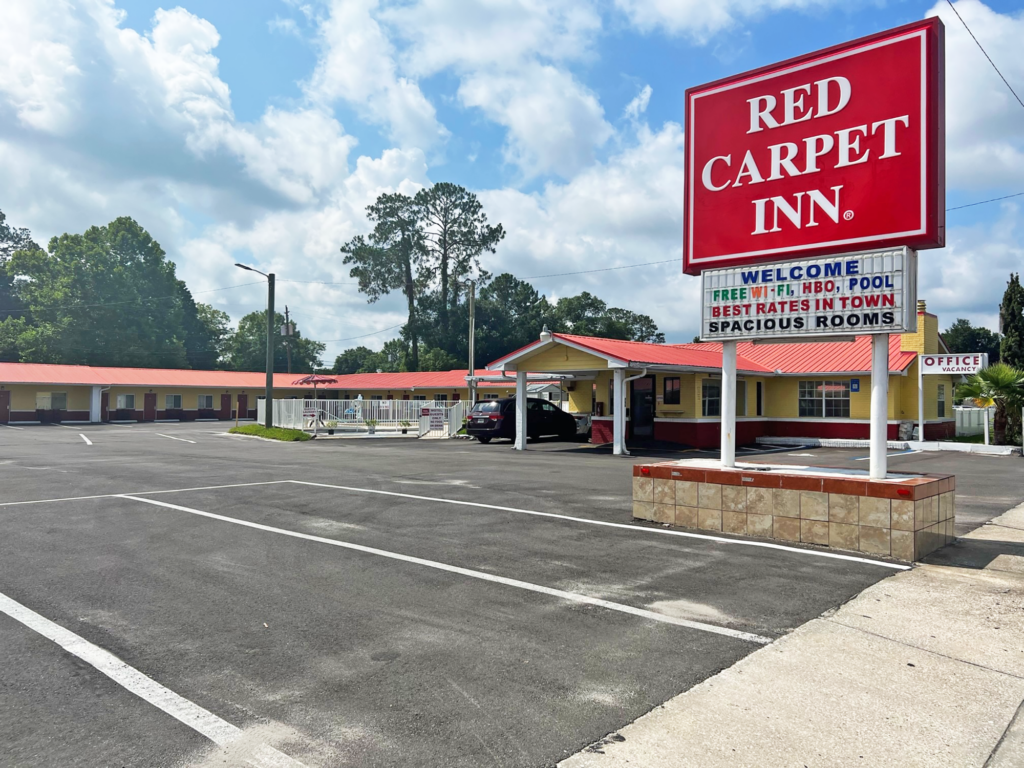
[[314, 379]]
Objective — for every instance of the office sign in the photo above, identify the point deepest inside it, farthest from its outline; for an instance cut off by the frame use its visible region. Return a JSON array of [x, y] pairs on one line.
[[852, 294], [955, 364], [838, 150]]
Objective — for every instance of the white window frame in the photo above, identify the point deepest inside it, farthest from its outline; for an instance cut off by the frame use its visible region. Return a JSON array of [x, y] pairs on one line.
[[705, 399], [168, 400], [420, 398], [823, 396], [441, 398], [121, 402], [940, 401], [199, 403]]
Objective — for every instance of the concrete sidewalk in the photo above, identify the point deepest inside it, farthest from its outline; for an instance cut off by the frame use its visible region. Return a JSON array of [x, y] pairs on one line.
[[925, 668]]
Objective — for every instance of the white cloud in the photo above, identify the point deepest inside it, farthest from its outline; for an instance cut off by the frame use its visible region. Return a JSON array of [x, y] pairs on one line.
[[627, 210], [984, 142], [554, 122], [700, 18], [357, 65], [951, 280], [638, 105], [495, 33], [39, 76]]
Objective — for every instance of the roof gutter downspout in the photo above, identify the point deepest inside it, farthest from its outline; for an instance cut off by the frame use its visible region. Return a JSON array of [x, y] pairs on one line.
[[625, 450]]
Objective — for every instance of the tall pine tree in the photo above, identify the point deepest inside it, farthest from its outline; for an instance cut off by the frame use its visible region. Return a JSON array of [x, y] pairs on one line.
[[1011, 321]]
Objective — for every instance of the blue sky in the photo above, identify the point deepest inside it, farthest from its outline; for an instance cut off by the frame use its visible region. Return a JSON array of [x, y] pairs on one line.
[[259, 131]]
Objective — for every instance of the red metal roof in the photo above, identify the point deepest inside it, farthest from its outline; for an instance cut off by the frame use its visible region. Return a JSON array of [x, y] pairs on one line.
[[689, 355], [819, 357], [70, 375]]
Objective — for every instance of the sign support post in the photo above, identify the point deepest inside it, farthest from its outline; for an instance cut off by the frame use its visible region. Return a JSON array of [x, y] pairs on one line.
[[879, 437], [920, 399], [728, 401]]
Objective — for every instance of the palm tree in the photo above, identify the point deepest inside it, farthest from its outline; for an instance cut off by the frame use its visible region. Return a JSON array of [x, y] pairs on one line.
[[1000, 385]]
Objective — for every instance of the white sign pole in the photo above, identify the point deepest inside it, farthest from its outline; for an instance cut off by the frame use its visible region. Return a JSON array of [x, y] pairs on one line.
[[728, 402], [879, 406], [986, 425], [920, 398]]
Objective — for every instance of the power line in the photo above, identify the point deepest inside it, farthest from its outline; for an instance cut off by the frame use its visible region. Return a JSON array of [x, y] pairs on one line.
[[316, 282], [603, 269], [950, 4], [982, 202], [351, 338]]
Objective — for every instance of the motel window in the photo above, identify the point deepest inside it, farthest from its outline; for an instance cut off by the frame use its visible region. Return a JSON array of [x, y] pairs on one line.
[[419, 397], [491, 396], [741, 398], [172, 402], [830, 399], [126, 402], [440, 398], [672, 390], [837, 399], [376, 397], [811, 404], [711, 398], [51, 401], [205, 402], [941, 405]]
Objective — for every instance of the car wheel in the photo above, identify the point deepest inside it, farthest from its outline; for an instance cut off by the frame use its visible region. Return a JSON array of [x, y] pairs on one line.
[[484, 440]]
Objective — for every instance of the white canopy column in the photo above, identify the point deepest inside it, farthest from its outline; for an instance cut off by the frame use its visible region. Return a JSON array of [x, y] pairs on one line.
[[619, 412], [521, 411], [95, 400]]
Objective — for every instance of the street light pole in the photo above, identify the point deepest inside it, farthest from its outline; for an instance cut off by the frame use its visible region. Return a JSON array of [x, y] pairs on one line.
[[268, 405], [472, 343], [268, 410]]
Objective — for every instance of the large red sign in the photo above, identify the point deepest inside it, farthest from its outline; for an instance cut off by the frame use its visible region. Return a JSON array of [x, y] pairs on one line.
[[838, 150]]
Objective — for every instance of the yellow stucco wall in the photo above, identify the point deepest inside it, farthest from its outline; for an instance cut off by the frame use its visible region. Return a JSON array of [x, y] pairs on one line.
[[23, 396], [561, 358]]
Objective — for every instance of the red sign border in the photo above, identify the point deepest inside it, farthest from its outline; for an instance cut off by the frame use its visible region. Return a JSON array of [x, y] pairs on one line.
[[932, 234]]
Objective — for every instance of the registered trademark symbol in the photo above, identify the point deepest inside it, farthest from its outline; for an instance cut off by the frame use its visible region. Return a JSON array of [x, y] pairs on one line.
[[848, 215]]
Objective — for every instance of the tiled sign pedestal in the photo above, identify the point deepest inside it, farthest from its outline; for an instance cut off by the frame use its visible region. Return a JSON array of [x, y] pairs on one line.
[[904, 516]]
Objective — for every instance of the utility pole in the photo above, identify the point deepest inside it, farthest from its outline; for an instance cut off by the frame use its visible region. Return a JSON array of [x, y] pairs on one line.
[[269, 407], [287, 333], [472, 340]]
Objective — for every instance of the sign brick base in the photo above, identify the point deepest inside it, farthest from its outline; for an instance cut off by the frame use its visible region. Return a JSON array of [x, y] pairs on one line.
[[905, 517]]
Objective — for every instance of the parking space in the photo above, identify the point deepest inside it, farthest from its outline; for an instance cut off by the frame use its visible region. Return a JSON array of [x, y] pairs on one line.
[[358, 602]]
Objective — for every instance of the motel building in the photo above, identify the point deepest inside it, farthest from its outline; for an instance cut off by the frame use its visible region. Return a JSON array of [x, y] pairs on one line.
[[670, 392]]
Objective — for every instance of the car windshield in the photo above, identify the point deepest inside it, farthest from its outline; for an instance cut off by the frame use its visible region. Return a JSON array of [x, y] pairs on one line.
[[486, 407]]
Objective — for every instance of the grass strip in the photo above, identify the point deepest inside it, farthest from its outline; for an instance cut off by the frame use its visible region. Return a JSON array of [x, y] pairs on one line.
[[274, 433]]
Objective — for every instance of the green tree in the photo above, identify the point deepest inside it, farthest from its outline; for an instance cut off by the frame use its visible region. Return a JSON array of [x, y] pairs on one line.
[[105, 297], [389, 258], [1000, 385], [11, 239], [436, 359], [1011, 323], [962, 337], [510, 314], [455, 233], [216, 328], [587, 315], [355, 360], [246, 348]]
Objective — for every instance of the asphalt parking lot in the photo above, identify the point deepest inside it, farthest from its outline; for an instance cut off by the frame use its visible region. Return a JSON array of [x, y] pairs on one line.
[[369, 602]]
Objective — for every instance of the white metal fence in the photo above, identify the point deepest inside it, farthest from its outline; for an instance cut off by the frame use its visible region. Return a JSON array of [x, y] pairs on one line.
[[971, 421], [362, 415]]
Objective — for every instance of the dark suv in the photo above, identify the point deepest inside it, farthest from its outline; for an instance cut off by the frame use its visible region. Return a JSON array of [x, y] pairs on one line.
[[497, 418]]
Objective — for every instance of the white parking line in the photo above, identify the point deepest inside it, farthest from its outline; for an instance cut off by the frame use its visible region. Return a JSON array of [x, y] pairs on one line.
[[169, 437], [218, 731], [135, 493], [626, 526], [571, 596], [87, 440], [10, 427]]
